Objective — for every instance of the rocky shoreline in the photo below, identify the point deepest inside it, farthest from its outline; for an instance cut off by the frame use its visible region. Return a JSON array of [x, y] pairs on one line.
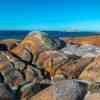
[[43, 68]]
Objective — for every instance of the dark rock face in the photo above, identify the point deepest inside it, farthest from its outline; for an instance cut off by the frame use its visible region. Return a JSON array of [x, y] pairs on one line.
[[5, 93], [3, 47], [57, 44]]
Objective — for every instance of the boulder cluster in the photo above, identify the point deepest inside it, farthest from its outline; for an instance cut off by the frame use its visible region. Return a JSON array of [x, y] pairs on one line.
[[44, 68]]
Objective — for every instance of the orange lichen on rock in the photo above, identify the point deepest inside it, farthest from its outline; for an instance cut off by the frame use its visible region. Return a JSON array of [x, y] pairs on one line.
[[84, 40], [31, 42], [9, 44]]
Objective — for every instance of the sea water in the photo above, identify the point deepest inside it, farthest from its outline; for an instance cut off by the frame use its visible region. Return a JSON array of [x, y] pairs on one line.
[[20, 35]]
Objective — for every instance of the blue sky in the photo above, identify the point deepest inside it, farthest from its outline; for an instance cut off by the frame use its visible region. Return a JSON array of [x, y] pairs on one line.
[[50, 14]]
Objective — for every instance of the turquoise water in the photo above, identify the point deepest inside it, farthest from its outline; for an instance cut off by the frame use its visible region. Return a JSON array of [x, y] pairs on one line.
[[21, 34]]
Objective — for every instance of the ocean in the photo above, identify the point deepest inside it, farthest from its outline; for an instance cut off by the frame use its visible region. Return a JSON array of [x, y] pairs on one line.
[[20, 35], [70, 34]]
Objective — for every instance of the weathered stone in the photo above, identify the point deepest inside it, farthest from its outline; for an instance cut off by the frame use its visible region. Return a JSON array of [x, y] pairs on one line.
[[47, 94], [37, 57], [64, 90], [60, 65], [6, 45], [29, 74], [12, 77], [94, 96], [92, 71], [5, 93]]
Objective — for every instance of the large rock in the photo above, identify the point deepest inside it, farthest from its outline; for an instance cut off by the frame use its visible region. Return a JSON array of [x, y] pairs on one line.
[[64, 90], [92, 71], [73, 67], [36, 43], [60, 65], [31, 43]]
